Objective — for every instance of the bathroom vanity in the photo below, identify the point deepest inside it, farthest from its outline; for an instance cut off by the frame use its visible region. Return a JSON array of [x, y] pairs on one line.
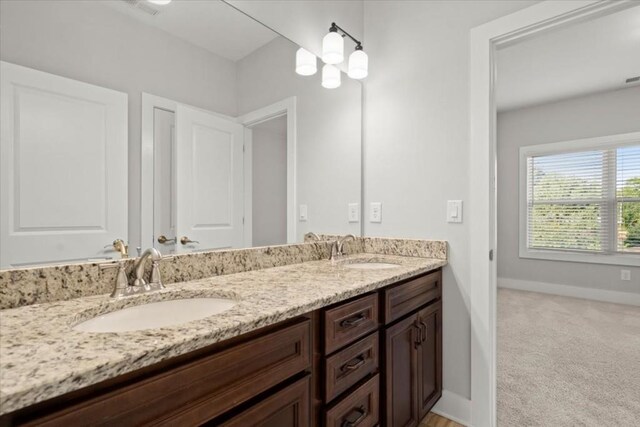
[[366, 350]]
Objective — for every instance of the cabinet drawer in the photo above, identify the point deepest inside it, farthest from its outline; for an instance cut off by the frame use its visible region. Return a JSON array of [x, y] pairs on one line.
[[201, 390], [287, 408], [350, 321], [406, 297], [348, 366], [359, 408]]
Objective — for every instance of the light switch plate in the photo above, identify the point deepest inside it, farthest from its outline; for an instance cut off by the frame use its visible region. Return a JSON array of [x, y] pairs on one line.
[[625, 274], [375, 212], [354, 212], [454, 211], [303, 213]]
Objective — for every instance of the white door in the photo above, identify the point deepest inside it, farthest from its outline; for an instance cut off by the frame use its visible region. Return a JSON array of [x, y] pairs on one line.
[[209, 175], [164, 182], [63, 168]]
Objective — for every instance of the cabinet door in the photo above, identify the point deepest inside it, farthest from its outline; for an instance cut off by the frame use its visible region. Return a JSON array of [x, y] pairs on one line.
[[401, 373], [286, 408], [429, 358]]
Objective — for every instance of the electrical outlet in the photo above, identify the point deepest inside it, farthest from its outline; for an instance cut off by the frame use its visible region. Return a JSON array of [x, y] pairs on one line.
[[354, 212], [303, 213], [625, 274], [375, 212]]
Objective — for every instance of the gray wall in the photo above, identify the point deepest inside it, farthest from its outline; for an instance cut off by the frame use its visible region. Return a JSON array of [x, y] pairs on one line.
[[93, 43], [417, 140], [328, 133], [269, 182], [584, 117]]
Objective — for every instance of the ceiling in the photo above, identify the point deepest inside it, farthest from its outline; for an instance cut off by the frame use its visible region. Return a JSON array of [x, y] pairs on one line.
[[211, 25], [587, 57]]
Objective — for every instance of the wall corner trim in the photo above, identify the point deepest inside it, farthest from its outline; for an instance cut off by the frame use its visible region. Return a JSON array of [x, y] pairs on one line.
[[602, 295], [455, 407]]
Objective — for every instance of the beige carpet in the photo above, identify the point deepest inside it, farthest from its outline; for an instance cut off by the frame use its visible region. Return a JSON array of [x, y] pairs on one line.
[[567, 362]]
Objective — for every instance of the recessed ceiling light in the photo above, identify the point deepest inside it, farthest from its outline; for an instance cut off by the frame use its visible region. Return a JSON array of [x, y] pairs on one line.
[[160, 2]]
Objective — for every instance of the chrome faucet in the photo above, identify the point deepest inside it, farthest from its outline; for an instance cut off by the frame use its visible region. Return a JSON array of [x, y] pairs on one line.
[[123, 286], [311, 236], [337, 248], [155, 282]]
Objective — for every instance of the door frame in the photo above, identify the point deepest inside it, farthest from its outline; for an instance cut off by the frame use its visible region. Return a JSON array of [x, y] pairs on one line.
[[285, 107], [484, 41], [147, 161]]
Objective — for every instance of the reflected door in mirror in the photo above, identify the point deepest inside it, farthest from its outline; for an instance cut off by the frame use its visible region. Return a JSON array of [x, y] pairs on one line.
[[63, 182]]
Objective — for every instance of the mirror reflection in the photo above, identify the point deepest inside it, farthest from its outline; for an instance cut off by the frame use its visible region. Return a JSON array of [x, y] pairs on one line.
[[182, 127]]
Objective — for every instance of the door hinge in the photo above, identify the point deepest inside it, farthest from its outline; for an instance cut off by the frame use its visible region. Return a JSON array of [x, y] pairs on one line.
[[242, 220], [243, 148], [491, 255]]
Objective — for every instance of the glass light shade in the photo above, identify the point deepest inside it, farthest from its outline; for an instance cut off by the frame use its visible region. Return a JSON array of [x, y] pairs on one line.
[[306, 62], [160, 2], [332, 48], [358, 65], [330, 76]]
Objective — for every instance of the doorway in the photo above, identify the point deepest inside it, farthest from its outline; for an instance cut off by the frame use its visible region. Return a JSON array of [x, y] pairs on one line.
[[269, 182]]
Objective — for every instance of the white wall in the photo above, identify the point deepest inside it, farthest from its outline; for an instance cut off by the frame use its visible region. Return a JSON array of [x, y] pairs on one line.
[[93, 43], [589, 116], [417, 140], [306, 22], [269, 182], [328, 133], [416, 124]]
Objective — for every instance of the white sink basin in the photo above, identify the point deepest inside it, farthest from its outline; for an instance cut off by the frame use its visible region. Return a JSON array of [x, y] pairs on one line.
[[156, 315], [370, 265]]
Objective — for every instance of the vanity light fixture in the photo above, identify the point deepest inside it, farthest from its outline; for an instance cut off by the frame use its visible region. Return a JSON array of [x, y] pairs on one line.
[[333, 53], [330, 76], [333, 46], [306, 62], [160, 2]]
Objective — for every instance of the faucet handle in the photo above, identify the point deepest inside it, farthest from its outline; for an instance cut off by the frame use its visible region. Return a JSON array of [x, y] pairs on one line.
[[119, 245], [122, 282]]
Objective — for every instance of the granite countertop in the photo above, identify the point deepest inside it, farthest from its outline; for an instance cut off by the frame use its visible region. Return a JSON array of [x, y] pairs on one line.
[[42, 357]]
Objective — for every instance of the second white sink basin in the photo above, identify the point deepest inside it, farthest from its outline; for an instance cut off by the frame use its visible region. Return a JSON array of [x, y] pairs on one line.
[[370, 265], [156, 315]]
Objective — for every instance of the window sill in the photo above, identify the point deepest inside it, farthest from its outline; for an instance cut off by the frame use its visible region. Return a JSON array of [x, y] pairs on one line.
[[617, 259]]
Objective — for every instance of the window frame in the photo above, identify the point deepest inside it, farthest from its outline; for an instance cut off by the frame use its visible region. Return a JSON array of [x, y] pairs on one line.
[[578, 145]]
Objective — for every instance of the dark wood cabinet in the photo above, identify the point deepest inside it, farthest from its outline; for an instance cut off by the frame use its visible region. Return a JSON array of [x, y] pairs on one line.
[[429, 358], [413, 366], [286, 408], [401, 373], [374, 360]]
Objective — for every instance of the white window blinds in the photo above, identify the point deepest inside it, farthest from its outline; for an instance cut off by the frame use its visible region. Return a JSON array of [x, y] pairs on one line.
[[585, 201]]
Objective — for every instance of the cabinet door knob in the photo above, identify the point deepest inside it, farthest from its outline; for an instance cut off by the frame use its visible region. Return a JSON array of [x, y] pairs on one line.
[[185, 240]]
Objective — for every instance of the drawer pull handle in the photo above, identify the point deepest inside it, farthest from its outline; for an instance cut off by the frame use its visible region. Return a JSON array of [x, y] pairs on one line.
[[353, 364], [353, 321], [359, 413], [416, 335], [423, 329]]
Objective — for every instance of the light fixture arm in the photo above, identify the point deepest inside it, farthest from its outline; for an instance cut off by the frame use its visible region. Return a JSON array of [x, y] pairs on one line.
[[336, 29]]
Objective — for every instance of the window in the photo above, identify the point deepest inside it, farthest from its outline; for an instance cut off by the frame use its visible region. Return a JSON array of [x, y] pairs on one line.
[[580, 200]]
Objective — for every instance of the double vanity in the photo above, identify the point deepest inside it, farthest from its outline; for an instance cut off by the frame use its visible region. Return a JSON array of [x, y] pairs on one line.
[[355, 340]]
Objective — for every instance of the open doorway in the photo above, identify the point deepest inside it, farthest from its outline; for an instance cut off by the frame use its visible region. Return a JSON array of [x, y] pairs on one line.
[[568, 225], [269, 182]]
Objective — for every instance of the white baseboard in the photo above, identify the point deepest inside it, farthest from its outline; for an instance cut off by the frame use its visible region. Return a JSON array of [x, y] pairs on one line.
[[571, 291], [454, 407]]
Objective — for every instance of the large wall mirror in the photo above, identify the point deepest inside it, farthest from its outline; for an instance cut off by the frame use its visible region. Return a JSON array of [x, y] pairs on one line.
[[181, 126]]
